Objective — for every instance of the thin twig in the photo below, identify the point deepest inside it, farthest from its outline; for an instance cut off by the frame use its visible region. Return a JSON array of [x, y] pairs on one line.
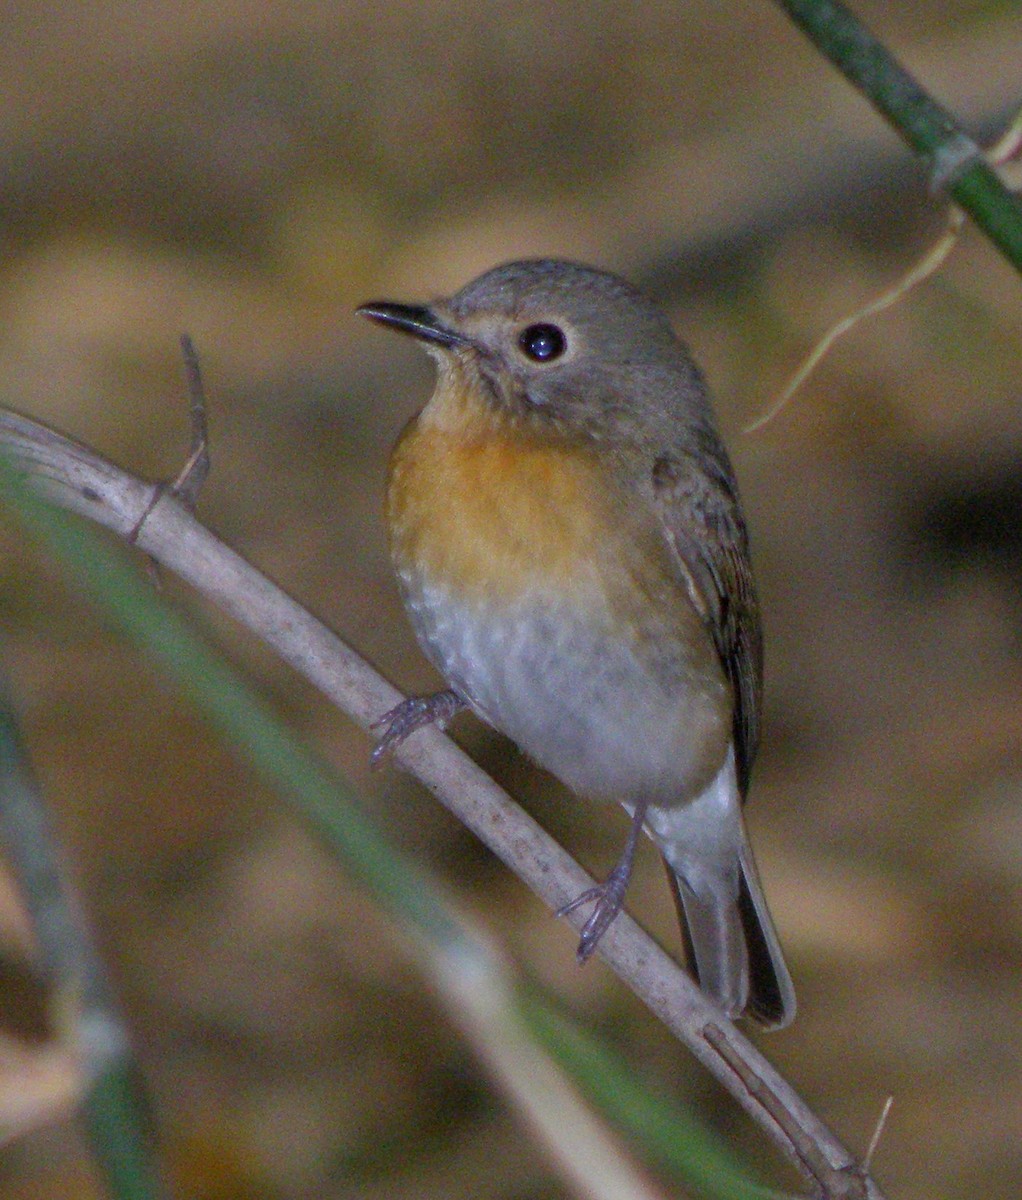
[[193, 474], [874, 1141], [188, 483], [930, 261], [78, 479]]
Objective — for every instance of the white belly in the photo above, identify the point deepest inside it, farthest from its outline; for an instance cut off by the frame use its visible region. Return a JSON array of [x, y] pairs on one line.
[[616, 714]]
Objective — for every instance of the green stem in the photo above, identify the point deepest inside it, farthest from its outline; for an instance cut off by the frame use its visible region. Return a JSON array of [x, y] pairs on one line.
[[957, 165], [115, 1119], [672, 1139], [114, 1104]]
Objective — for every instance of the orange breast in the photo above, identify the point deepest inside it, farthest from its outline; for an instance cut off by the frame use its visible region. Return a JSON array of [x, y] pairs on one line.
[[479, 503], [499, 511]]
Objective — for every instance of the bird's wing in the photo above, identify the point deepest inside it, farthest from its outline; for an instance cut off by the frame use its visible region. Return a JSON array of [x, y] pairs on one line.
[[697, 503]]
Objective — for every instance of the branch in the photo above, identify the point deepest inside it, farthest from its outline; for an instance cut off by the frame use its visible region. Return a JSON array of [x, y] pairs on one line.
[[78, 479], [956, 163]]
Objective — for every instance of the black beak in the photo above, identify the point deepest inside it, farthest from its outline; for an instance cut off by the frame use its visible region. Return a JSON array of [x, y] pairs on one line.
[[418, 320]]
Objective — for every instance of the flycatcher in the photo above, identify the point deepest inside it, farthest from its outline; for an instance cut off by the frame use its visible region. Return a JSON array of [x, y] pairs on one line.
[[567, 534]]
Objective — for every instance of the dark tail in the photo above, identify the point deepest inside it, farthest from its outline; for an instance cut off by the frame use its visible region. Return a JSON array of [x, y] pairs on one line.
[[733, 947]]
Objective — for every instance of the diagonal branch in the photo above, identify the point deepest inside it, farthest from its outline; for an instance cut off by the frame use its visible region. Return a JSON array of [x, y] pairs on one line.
[[78, 479]]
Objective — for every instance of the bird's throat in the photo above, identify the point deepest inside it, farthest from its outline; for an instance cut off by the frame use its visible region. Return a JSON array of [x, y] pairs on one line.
[[498, 513]]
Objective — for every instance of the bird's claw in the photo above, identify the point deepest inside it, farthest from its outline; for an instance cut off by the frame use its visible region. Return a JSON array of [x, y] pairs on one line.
[[608, 900], [413, 713]]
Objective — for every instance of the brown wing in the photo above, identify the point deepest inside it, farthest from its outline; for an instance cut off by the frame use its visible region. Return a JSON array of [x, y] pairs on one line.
[[698, 506]]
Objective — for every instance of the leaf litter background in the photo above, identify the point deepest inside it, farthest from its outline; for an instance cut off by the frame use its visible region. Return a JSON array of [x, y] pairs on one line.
[[249, 173]]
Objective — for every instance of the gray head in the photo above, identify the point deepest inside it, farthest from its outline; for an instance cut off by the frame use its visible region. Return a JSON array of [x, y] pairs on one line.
[[562, 342]]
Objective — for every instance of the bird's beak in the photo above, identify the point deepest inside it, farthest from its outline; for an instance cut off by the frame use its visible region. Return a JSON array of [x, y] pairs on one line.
[[418, 320]]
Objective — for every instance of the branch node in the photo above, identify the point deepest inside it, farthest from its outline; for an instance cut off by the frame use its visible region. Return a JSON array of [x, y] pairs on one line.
[[847, 1182], [159, 491], [952, 159], [192, 476]]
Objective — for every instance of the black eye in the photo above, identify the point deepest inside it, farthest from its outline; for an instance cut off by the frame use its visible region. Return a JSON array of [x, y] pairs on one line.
[[542, 343]]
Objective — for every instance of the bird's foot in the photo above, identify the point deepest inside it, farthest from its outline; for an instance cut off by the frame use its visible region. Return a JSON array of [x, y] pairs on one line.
[[607, 899], [412, 714]]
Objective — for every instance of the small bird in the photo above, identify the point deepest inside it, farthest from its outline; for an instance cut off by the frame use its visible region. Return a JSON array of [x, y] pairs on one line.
[[567, 535]]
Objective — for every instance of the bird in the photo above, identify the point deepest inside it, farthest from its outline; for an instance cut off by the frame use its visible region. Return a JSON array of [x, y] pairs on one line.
[[566, 531]]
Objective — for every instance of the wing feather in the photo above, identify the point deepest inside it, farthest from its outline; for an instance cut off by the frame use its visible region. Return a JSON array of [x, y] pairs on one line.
[[697, 502]]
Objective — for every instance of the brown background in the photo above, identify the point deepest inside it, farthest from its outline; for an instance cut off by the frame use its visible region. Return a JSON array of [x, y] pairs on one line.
[[249, 173]]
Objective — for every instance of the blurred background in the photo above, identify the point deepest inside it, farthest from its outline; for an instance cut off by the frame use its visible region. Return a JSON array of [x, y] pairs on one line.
[[250, 172]]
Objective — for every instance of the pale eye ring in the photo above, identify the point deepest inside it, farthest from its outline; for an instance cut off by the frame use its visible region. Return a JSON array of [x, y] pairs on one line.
[[542, 342]]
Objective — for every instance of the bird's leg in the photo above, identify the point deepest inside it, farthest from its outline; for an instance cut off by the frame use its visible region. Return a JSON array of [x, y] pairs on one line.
[[608, 897], [412, 714]]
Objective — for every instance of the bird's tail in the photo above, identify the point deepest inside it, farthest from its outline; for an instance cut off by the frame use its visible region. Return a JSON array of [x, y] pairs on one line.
[[733, 946]]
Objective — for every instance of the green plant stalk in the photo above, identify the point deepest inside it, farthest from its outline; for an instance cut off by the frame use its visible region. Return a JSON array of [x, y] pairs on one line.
[[671, 1139], [120, 1133], [956, 164], [114, 1104]]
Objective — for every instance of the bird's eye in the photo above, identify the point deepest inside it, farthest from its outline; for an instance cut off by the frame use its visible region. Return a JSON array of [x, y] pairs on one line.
[[542, 343]]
